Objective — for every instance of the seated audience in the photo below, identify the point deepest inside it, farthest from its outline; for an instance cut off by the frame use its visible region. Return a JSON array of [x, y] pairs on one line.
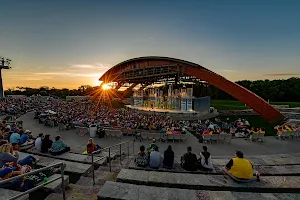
[[29, 160], [151, 146], [205, 159], [189, 160], [38, 142], [155, 158], [6, 134], [240, 169], [46, 144], [59, 147], [168, 158], [7, 154], [91, 146], [24, 140], [142, 159], [14, 138]]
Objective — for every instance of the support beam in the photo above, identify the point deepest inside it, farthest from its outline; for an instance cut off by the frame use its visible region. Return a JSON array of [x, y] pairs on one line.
[[128, 90], [144, 85], [119, 85]]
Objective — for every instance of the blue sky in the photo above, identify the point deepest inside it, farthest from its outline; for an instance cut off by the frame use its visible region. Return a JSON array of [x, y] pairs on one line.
[[68, 43]]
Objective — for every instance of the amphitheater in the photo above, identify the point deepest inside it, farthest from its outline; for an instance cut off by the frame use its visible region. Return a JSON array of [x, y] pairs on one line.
[[117, 177]]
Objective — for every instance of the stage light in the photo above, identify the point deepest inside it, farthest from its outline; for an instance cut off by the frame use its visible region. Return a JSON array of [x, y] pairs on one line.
[[106, 87]]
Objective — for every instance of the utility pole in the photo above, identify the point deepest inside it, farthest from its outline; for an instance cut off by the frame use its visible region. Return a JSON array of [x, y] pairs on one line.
[[4, 64]]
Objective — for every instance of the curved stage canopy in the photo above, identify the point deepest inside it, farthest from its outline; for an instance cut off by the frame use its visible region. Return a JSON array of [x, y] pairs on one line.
[[147, 70]]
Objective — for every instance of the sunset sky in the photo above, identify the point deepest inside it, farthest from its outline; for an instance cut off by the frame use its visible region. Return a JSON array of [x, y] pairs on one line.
[[68, 43]]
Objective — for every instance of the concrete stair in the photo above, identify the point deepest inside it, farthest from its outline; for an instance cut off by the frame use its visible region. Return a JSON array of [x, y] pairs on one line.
[[125, 191], [72, 167], [6, 194]]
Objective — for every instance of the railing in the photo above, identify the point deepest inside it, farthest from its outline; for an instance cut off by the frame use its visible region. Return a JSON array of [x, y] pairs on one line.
[[109, 153], [40, 185]]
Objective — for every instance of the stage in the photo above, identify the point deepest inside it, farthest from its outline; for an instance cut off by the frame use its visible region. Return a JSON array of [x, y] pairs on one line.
[[176, 114], [160, 110]]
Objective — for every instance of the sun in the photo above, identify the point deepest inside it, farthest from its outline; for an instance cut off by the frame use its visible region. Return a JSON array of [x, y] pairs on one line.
[[106, 87]]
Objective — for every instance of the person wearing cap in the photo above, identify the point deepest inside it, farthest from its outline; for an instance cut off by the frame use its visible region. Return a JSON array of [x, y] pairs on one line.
[[240, 169], [151, 146], [24, 141], [38, 142]]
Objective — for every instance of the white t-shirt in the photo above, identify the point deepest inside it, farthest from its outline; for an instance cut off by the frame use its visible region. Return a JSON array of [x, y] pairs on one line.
[[38, 144]]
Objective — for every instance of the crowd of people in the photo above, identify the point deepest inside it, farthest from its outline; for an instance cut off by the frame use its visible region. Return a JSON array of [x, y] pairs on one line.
[[238, 168], [286, 129], [86, 114], [13, 138]]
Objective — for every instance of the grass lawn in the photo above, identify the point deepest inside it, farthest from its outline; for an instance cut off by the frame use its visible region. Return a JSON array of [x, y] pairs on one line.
[[255, 121], [237, 105]]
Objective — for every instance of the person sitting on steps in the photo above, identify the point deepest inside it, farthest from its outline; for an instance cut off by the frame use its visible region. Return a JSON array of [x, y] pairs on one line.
[[189, 160], [91, 146], [59, 147], [168, 158], [240, 169], [155, 158], [205, 160], [142, 159]]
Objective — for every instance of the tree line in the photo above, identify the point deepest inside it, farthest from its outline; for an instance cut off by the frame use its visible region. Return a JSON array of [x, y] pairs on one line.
[[287, 90]]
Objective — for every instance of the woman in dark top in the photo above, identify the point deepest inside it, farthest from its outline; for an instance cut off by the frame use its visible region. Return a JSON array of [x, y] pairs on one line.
[[168, 158], [46, 144]]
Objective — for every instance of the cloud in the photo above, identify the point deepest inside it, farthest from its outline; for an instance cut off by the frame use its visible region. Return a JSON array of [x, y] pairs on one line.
[[99, 66], [67, 74], [278, 74], [84, 66], [227, 70]]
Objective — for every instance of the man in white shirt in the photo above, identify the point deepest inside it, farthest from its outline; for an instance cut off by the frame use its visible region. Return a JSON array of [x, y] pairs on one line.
[[155, 158], [38, 142]]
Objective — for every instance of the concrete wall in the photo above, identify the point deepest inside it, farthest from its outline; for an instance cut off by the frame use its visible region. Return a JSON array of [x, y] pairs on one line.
[[201, 104]]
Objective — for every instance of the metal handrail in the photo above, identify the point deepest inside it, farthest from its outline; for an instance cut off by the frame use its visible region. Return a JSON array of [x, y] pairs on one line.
[[109, 147], [61, 164]]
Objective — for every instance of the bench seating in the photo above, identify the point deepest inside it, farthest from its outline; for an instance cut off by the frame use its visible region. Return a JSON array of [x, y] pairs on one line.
[[113, 133], [268, 184]]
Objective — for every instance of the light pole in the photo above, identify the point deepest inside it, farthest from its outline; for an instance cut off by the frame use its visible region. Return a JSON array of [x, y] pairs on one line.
[[4, 64]]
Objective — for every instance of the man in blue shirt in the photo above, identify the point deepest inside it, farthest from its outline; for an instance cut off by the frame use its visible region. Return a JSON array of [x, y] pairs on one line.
[[155, 158], [24, 141]]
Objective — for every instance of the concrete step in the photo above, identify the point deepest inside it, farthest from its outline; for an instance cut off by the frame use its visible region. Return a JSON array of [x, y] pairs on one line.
[[73, 157], [76, 192], [267, 184], [71, 167], [56, 184], [102, 175], [7, 194], [281, 170], [124, 191]]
